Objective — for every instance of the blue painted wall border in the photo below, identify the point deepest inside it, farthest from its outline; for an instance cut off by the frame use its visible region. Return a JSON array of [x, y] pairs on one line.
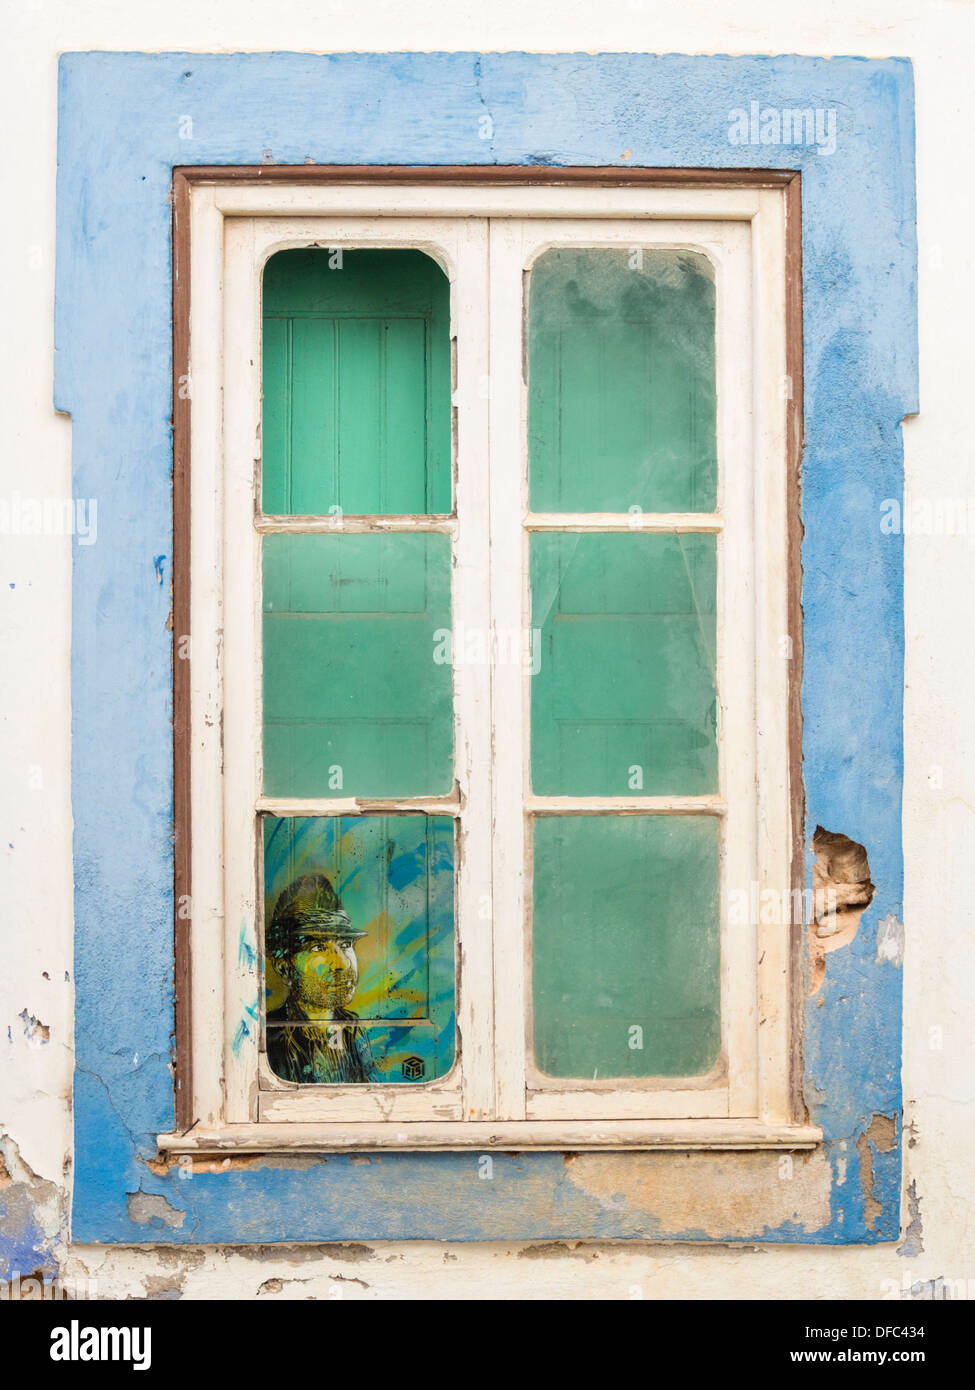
[[120, 122]]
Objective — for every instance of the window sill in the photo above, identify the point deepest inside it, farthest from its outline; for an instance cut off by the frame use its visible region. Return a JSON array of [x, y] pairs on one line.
[[356, 1137]]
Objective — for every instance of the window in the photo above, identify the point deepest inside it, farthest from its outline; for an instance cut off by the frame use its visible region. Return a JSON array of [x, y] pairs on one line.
[[487, 721]]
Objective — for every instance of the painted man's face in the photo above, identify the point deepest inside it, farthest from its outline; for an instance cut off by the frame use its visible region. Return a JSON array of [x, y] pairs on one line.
[[324, 977]]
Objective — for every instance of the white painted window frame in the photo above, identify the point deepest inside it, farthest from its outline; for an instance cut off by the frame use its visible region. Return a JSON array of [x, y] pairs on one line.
[[484, 237]]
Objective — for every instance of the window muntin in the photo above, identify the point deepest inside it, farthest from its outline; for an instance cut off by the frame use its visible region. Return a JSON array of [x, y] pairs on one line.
[[748, 252]]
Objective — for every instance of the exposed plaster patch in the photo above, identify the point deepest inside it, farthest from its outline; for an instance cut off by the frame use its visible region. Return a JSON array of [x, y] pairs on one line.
[[913, 1243], [879, 1137], [348, 1279], [162, 1288], [5, 1178], [883, 1133], [152, 1206], [181, 1257], [842, 892], [890, 940], [723, 1196]]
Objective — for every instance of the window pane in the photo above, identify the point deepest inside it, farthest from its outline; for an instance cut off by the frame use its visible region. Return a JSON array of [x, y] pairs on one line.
[[355, 701], [626, 946], [359, 948], [623, 700], [622, 381], [356, 383]]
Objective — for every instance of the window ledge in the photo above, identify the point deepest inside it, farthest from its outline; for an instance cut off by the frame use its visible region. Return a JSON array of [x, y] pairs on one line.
[[512, 1134]]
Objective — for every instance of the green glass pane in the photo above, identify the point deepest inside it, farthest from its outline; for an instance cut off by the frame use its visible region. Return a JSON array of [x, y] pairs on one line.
[[359, 948], [621, 381], [356, 383], [623, 700], [355, 700], [625, 955]]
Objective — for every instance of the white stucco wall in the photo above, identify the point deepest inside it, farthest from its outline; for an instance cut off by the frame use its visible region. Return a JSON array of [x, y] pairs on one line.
[[35, 846]]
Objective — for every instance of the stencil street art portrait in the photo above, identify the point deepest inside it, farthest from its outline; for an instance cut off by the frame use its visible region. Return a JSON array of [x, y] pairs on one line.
[[359, 957]]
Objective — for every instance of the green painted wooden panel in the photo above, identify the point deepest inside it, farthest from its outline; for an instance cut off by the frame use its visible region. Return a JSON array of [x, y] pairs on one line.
[[350, 679], [356, 383], [626, 937], [624, 700], [622, 381]]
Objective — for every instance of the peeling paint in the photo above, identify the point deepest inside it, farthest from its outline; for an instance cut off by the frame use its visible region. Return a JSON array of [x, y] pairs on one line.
[[187, 1166], [556, 1250], [928, 1290], [33, 1217], [913, 1243], [890, 940], [350, 1251]]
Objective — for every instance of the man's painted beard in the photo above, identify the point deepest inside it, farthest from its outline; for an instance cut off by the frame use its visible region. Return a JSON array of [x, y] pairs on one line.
[[325, 980]]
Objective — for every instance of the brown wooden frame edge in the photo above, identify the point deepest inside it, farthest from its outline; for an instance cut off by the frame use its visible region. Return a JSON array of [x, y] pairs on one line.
[[612, 176]]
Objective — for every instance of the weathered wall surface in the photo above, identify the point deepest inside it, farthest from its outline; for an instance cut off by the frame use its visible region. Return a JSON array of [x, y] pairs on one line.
[[853, 1191]]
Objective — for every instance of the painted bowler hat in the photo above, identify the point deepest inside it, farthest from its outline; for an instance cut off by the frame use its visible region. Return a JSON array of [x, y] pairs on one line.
[[308, 911]]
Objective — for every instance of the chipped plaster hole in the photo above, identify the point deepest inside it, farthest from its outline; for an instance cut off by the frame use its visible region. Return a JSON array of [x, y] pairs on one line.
[[36, 1032], [276, 1286], [842, 892]]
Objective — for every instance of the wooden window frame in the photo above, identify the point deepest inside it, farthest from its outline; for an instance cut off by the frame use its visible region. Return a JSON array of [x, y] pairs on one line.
[[223, 1102]]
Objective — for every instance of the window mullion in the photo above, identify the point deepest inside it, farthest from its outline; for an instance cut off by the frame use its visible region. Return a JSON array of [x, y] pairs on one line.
[[510, 678], [472, 677]]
